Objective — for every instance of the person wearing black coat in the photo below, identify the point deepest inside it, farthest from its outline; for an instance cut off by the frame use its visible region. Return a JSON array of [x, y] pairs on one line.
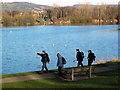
[[79, 58], [91, 57], [45, 59]]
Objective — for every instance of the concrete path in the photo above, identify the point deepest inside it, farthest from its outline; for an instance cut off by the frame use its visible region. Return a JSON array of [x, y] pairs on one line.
[[106, 68], [53, 75], [29, 77]]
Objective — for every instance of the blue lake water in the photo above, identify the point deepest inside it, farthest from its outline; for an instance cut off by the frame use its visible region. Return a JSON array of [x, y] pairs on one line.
[[20, 43]]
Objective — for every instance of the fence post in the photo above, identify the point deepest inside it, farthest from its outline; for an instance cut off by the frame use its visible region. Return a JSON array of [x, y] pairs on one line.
[[72, 73]]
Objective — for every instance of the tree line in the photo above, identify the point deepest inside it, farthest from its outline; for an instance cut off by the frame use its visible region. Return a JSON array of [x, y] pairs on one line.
[[82, 14]]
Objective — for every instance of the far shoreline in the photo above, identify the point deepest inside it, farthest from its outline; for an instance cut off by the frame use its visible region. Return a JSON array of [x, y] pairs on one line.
[[57, 25]]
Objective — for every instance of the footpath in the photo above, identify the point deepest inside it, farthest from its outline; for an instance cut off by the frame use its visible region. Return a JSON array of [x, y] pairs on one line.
[[54, 75]]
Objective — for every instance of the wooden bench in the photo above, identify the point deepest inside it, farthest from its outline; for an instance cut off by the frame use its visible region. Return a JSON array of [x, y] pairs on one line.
[[80, 71]]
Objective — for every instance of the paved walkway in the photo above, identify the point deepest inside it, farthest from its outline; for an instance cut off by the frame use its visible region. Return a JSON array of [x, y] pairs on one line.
[[29, 77], [106, 68], [52, 75]]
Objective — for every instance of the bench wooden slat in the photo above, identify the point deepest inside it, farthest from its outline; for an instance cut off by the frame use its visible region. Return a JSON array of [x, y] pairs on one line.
[[81, 69]]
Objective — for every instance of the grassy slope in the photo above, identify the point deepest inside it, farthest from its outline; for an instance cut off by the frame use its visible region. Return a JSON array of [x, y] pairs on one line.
[[103, 80], [23, 74], [18, 74]]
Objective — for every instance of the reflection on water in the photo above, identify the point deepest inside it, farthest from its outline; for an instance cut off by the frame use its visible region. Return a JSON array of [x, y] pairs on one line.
[[19, 45]]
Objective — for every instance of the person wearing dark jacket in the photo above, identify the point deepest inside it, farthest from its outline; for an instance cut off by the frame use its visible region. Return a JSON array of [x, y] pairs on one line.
[[45, 59], [79, 58], [91, 57], [60, 64]]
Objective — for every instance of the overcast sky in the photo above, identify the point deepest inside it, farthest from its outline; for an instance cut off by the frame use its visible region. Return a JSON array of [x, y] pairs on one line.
[[64, 2]]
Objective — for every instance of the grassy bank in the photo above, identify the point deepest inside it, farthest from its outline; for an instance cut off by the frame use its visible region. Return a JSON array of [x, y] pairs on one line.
[[107, 79], [23, 74], [35, 72], [18, 74]]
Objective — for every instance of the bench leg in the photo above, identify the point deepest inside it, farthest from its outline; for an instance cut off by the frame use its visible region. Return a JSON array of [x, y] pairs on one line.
[[90, 71], [72, 73]]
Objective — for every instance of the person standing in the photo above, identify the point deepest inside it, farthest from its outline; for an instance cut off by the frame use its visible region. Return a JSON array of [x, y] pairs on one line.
[[91, 57], [60, 64], [79, 56], [45, 59]]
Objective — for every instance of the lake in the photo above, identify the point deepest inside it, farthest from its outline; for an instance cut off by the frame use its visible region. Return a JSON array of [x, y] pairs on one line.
[[20, 43]]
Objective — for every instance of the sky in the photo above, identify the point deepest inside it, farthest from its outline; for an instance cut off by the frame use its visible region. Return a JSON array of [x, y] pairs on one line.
[[64, 2]]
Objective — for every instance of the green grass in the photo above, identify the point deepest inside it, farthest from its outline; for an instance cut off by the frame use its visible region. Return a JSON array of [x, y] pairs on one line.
[[18, 74], [22, 74], [107, 79]]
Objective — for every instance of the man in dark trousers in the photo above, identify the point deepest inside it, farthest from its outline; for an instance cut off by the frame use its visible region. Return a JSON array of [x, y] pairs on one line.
[[91, 57], [60, 64], [45, 60], [79, 57]]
